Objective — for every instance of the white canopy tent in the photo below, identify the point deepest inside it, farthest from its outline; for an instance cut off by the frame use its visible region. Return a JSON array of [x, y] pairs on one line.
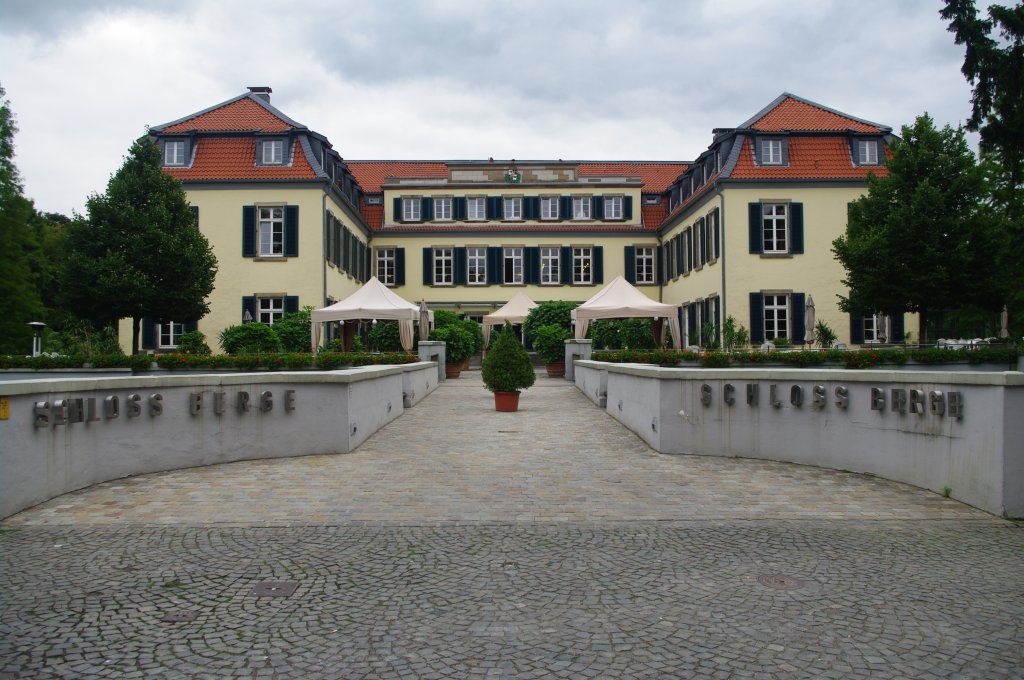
[[620, 300], [373, 301], [514, 311]]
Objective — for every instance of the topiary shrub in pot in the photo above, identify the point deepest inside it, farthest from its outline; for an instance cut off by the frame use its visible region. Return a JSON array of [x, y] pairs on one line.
[[507, 369], [549, 342]]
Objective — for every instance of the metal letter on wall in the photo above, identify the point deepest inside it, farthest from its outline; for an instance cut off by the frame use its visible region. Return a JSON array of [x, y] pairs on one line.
[[219, 402], [111, 407], [243, 402], [134, 406], [773, 396], [728, 394], [705, 394], [916, 401], [796, 396], [842, 396], [937, 402], [752, 390], [41, 412], [195, 403], [955, 405], [818, 397], [877, 399], [59, 415], [266, 401], [899, 400], [289, 401], [156, 404]]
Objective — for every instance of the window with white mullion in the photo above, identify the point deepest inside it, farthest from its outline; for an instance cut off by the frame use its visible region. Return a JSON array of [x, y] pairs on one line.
[[513, 257], [170, 334], [443, 268], [771, 152], [270, 309], [550, 259], [774, 219], [549, 207], [443, 208], [582, 265], [776, 316], [476, 262], [645, 259], [867, 152], [174, 152], [273, 152], [271, 231], [613, 207], [581, 207], [411, 209], [476, 208], [513, 208], [386, 266]]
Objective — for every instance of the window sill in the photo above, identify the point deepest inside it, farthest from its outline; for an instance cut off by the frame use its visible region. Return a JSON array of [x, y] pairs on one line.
[[776, 256], [270, 258]]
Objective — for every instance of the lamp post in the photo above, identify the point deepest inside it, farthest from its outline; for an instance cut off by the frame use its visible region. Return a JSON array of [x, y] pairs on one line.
[[37, 337]]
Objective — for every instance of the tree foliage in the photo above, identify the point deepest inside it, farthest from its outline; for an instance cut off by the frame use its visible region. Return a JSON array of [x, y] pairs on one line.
[[546, 313], [923, 238], [139, 253], [20, 301]]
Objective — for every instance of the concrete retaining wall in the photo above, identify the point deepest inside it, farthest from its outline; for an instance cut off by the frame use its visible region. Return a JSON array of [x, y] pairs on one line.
[[931, 429], [65, 434]]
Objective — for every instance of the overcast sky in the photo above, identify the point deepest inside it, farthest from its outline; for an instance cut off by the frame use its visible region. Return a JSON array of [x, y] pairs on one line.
[[458, 79]]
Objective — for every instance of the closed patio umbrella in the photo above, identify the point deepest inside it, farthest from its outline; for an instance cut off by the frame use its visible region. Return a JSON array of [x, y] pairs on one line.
[[809, 320], [424, 321], [1004, 323]]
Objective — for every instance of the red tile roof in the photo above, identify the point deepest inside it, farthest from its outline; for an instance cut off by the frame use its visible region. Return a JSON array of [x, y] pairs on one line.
[[809, 158], [655, 176], [795, 114], [235, 158], [242, 114], [371, 174], [373, 215], [654, 215]]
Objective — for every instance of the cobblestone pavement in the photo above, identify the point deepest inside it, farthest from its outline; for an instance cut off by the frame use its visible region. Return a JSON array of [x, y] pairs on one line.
[[550, 543]]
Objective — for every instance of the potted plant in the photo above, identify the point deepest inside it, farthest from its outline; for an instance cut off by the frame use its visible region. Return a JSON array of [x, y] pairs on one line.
[[507, 370], [458, 347], [549, 341]]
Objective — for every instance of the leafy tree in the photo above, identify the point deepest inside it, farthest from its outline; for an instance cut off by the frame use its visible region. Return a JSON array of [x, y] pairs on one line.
[[139, 253], [20, 301], [384, 336], [922, 239], [546, 313], [293, 330]]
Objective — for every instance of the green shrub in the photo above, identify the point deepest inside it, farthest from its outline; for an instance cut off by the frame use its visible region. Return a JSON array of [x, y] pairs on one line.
[[193, 342], [734, 336], [293, 330], [384, 337], [249, 338], [622, 333], [553, 312], [476, 332], [84, 339], [549, 342], [458, 342], [507, 366], [444, 318], [824, 335]]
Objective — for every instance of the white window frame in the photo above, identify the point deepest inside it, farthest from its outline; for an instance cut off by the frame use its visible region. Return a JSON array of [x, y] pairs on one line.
[[867, 152], [582, 265], [270, 230], [775, 219], [273, 152], [550, 265], [512, 208], [776, 316], [386, 265], [444, 266], [549, 207], [512, 265], [613, 209], [646, 260], [476, 208], [174, 152], [443, 208], [269, 309], [581, 207], [412, 208], [476, 265], [172, 331], [771, 152]]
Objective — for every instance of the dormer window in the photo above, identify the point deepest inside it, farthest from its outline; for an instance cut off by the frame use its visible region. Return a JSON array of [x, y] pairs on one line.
[[174, 152], [272, 152], [771, 152], [867, 152]]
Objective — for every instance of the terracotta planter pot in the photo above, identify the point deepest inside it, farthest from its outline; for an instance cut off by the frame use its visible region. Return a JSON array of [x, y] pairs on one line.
[[506, 401], [556, 370], [452, 370]]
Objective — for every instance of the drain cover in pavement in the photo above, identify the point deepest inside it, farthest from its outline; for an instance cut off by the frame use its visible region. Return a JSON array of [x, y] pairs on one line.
[[780, 581], [274, 588], [179, 616]]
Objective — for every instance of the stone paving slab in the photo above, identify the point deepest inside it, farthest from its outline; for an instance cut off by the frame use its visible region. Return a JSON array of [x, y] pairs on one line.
[[551, 543]]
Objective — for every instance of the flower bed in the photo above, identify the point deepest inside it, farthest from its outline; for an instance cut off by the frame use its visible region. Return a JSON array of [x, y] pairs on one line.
[[324, 361]]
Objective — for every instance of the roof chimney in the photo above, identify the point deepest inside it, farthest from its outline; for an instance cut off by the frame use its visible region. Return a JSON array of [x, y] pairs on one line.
[[261, 91]]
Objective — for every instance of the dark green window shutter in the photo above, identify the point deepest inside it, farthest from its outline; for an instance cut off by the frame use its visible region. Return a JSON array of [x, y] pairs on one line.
[[494, 268], [627, 207], [756, 318], [566, 264], [597, 207], [399, 266], [797, 326], [531, 208], [857, 329], [337, 242], [459, 208], [531, 265], [629, 257], [397, 210], [291, 303], [598, 264], [291, 231], [494, 211], [248, 231], [691, 323], [460, 266], [364, 261], [427, 209], [564, 207], [249, 305], [796, 236], [660, 273], [756, 233], [684, 250], [718, 320], [195, 214], [702, 228], [148, 331], [428, 266], [191, 326], [898, 330], [716, 234], [343, 249]]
